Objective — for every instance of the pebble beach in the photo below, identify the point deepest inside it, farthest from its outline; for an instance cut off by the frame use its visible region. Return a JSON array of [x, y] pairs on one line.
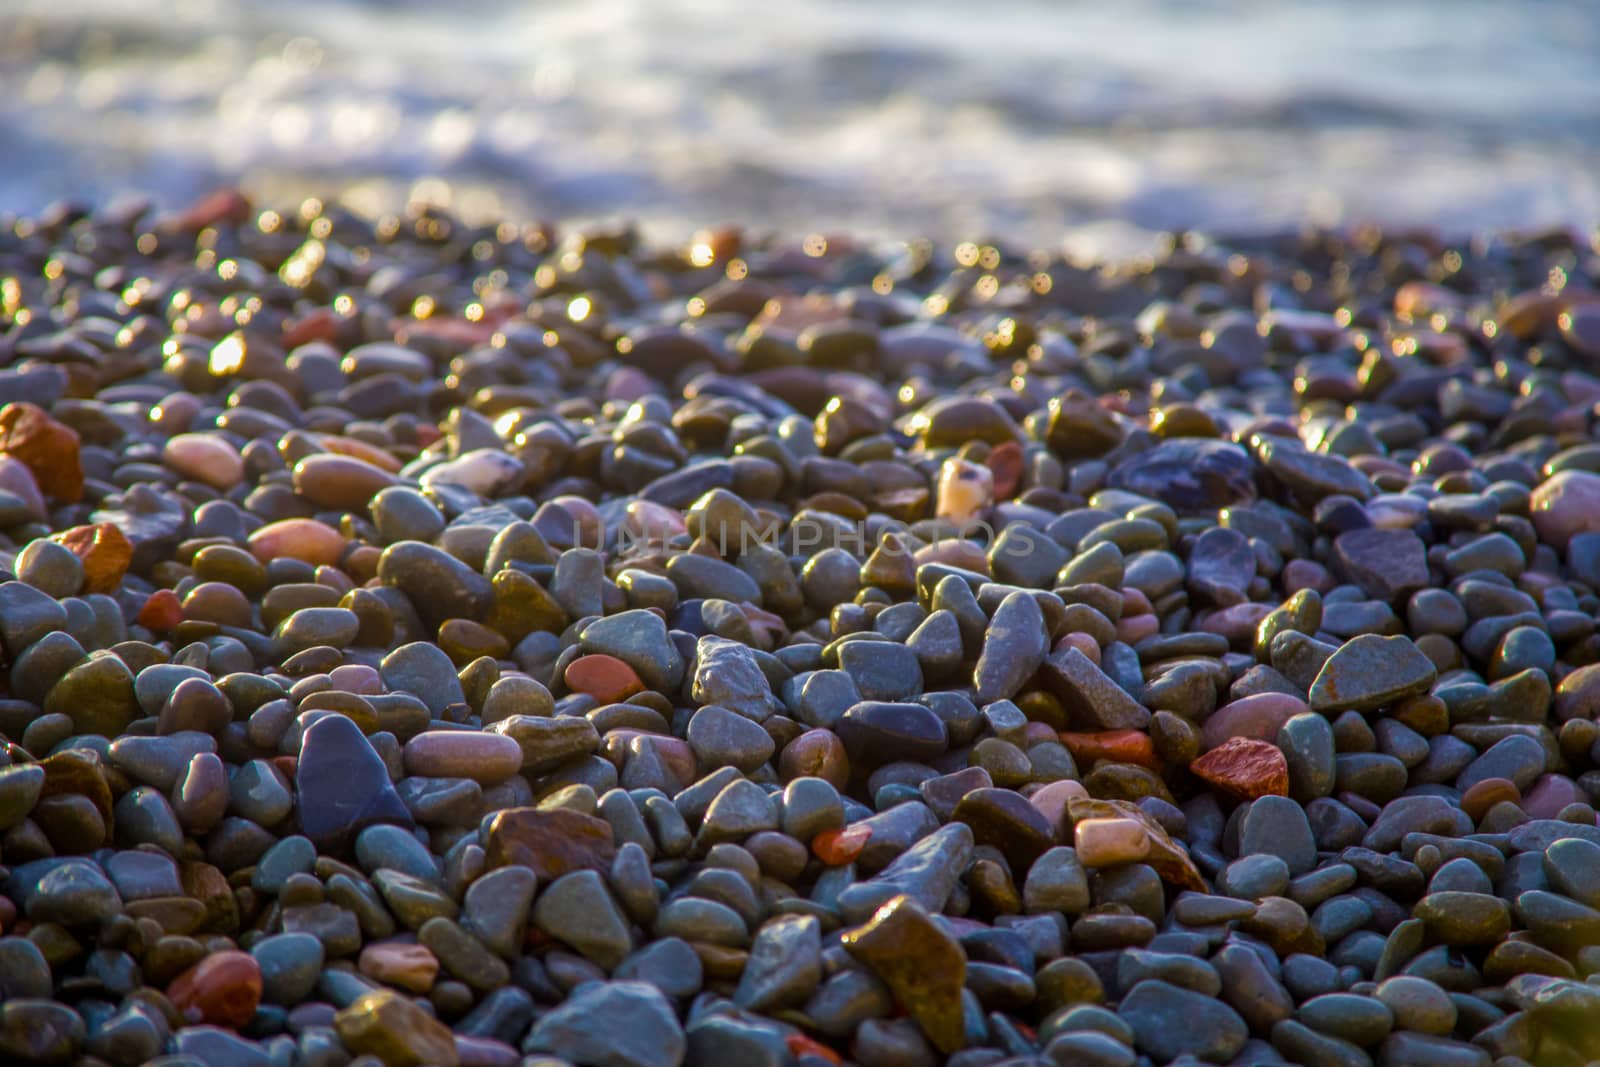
[[425, 642]]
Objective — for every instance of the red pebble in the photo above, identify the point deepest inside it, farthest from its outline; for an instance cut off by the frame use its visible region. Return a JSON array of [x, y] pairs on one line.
[[838, 847], [1245, 768], [224, 989], [1006, 464], [801, 1045], [162, 611]]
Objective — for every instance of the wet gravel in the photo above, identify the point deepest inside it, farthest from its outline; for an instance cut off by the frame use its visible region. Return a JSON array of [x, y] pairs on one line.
[[427, 644]]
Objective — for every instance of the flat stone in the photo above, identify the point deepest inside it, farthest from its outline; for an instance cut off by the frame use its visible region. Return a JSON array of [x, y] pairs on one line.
[[1057, 882], [1387, 564], [928, 872], [1458, 918], [1003, 819], [1369, 672], [1169, 1021], [548, 743], [1193, 475], [549, 843], [1014, 645], [923, 966], [486, 758], [72, 891], [39, 1031], [726, 673], [423, 669], [438, 585], [881, 670], [874, 732], [1277, 826], [24, 972], [668, 964], [395, 1030], [343, 784], [462, 955], [722, 738], [785, 964], [1312, 475], [577, 909], [639, 638], [289, 966], [1220, 567], [584, 1029], [97, 695], [1092, 700], [495, 908]]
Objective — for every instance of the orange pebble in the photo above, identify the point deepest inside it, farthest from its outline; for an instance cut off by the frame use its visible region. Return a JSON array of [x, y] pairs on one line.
[[838, 847], [606, 678], [355, 448], [105, 551], [1119, 746], [409, 967], [1482, 796]]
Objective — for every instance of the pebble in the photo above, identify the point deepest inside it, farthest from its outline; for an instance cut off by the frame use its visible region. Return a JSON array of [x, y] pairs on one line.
[[343, 784], [791, 680], [584, 1027], [392, 1028], [223, 990], [923, 966], [1169, 1021]]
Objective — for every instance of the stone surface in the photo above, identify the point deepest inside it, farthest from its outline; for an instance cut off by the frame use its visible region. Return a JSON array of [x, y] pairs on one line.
[[923, 966], [585, 1028], [1244, 768], [1370, 672]]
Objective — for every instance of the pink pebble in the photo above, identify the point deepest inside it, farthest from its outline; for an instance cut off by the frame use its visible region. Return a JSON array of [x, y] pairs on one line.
[[627, 384], [591, 528], [1051, 802], [1131, 629], [1550, 794], [1237, 623], [487, 758], [17, 479], [1259, 717], [1301, 574], [356, 678], [1082, 642], [645, 520]]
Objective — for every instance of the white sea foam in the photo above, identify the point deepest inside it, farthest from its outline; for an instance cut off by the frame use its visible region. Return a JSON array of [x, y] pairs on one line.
[[1028, 118]]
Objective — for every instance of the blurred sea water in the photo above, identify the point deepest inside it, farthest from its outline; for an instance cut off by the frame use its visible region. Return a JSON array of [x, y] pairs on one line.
[[1038, 120]]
